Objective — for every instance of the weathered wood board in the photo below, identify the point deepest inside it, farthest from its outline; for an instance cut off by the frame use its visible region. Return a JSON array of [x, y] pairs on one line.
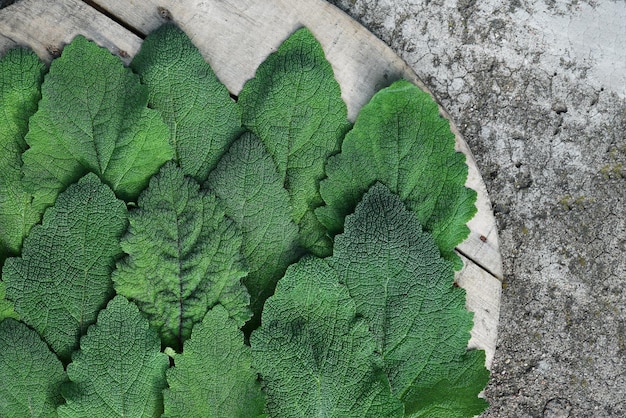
[[235, 37]]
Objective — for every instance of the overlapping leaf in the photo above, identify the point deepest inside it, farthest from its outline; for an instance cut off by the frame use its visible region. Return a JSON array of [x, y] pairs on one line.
[[375, 330], [314, 356], [7, 310], [119, 370], [400, 140], [92, 117], [21, 75], [182, 257], [401, 285], [63, 278], [31, 374], [213, 376], [247, 183], [202, 118], [294, 106]]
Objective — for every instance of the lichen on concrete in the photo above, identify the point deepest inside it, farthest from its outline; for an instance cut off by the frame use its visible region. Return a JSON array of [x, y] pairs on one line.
[[538, 89]]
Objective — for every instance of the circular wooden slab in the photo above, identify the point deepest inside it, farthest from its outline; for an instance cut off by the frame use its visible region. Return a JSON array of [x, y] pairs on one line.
[[235, 37]]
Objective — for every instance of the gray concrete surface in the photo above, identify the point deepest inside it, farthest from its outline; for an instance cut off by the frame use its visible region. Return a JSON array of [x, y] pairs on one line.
[[538, 88]]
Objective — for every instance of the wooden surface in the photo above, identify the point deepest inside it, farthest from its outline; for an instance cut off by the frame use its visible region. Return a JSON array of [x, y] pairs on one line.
[[235, 37]]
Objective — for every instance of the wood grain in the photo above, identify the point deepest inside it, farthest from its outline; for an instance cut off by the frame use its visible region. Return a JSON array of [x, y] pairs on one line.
[[235, 37], [483, 298], [46, 27]]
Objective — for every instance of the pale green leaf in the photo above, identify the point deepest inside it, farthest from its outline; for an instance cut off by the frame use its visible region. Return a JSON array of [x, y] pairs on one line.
[[183, 257], [30, 375], [63, 278], [247, 183], [202, 118], [21, 75], [405, 290], [294, 106], [119, 370], [400, 139], [213, 376], [316, 358], [93, 116]]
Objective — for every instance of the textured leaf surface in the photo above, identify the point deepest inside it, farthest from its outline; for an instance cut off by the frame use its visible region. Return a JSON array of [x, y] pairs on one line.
[[314, 356], [454, 396], [63, 278], [30, 374], [400, 140], [213, 376], [119, 370], [7, 310], [21, 75], [294, 105], [202, 118], [183, 257], [247, 183], [92, 117], [402, 286]]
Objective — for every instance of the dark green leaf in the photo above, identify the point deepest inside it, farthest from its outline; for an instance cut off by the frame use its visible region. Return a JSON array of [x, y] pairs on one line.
[[183, 257], [400, 139], [202, 118], [63, 278], [316, 358], [31, 375], [294, 105], [92, 117], [21, 75], [119, 370], [213, 376], [247, 183], [401, 285]]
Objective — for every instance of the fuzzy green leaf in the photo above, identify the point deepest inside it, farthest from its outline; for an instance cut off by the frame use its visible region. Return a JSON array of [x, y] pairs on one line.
[[63, 279], [402, 286], [454, 396], [294, 105], [183, 257], [213, 376], [92, 117], [7, 310], [314, 356], [400, 140], [31, 376], [21, 75], [202, 118], [119, 370], [247, 183]]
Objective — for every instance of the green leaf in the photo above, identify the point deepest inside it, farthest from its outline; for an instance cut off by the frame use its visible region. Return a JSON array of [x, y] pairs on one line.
[[31, 374], [92, 117], [400, 139], [183, 257], [21, 75], [119, 370], [202, 118], [213, 376], [294, 105], [7, 310], [314, 356], [63, 279], [401, 285], [247, 182], [455, 395]]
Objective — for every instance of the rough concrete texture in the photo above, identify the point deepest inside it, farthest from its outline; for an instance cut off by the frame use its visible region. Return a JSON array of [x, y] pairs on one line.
[[538, 89]]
